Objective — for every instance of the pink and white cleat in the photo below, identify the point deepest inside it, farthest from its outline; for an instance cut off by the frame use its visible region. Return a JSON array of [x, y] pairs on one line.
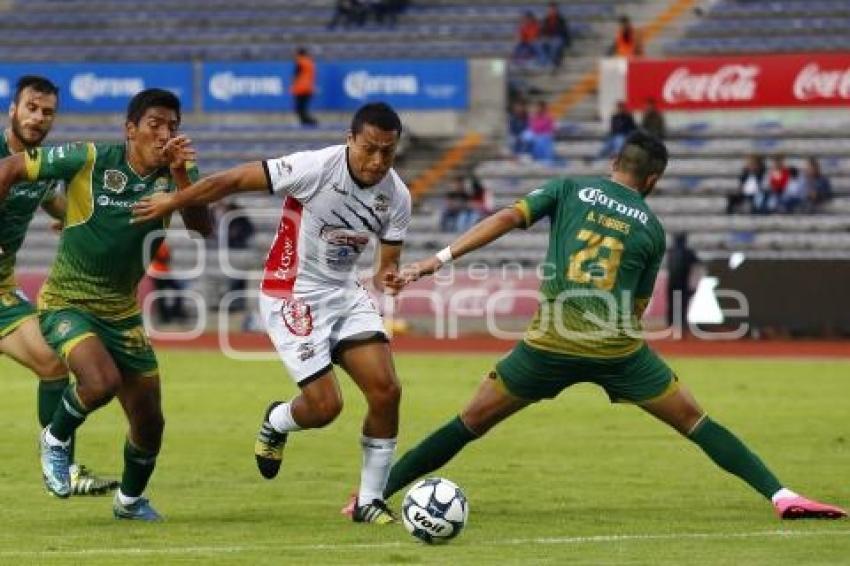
[[802, 508], [348, 510]]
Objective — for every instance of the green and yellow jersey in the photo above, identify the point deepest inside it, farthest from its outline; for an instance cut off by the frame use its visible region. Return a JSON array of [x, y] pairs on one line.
[[101, 255], [605, 249], [16, 213]]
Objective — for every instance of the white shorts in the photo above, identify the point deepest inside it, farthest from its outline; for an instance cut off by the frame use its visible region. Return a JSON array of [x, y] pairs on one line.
[[307, 329]]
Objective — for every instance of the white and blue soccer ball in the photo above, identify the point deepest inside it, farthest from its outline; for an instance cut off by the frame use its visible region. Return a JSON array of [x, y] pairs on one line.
[[434, 510]]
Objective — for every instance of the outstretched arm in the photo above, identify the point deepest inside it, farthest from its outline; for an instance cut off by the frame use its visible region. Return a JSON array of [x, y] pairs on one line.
[[242, 178], [489, 229]]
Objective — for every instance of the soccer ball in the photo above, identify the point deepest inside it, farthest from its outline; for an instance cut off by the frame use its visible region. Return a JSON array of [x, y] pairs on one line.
[[434, 510]]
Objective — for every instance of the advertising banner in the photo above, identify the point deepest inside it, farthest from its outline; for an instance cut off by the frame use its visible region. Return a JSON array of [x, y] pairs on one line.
[[101, 87], [437, 84], [757, 81]]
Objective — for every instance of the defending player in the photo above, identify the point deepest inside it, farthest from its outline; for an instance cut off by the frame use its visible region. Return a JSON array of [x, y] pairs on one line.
[[31, 117], [606, 246], [88, 308], [314, 310]]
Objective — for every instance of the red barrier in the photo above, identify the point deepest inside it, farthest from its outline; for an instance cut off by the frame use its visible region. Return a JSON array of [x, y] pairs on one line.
[[809, 80]]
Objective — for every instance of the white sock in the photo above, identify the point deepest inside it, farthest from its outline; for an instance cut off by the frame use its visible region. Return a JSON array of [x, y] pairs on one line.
[[377, 461], [281, 418], [52, 440], [126, 499], [783, 493]]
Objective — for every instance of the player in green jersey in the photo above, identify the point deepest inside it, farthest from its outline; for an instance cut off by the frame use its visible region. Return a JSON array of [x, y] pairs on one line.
[[87, 307], [605, 248], [31, 117]]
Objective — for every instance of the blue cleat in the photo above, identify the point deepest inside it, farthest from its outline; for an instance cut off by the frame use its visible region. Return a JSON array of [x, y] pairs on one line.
[[55, 463], [139, 510]]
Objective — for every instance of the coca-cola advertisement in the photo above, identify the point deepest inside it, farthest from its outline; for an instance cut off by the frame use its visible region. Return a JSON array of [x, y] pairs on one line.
[[812, 79]]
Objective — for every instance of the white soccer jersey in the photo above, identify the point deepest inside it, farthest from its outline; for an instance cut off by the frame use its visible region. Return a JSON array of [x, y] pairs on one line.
[[327, 220]]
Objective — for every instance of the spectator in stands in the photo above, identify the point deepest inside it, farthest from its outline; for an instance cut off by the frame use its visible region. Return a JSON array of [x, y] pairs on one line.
[[817, 186], [517, 126], [303, 86], [622, 124], [681, 261], [168, 308], [458, 215], [528, 44], [777, 182], [348, 12], [653, 120], [480, 198], [555, 36], [627, 42], [387, 11], [541, 125], [795, 192], [751, 187]]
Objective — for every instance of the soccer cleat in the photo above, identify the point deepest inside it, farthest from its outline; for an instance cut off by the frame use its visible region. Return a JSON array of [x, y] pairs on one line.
[[802, 508], [84, 482], [139, 510], [55, 461], [268, 449], [376, 512]]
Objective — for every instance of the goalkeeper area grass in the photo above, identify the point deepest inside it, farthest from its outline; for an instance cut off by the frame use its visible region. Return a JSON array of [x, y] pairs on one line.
[[571, 480]]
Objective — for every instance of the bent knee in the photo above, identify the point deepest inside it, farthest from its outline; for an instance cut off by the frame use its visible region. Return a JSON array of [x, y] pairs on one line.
[[384, 396], [325, 411]]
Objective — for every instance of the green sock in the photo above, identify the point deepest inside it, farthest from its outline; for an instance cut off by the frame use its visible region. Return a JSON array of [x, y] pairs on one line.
[[49, 396], [732, 455], [429, 455], [69, 415], [138, 467]]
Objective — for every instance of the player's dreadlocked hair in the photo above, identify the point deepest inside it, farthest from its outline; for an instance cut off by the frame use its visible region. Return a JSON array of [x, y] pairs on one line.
[[151, 98], [642, 155], [37, 83], [378, 114]]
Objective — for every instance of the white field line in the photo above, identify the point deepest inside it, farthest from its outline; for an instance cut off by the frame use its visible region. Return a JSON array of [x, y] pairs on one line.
[[233, 549]]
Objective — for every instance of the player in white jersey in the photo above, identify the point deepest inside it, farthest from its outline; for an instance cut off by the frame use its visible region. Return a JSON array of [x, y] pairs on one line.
[[314, 309]]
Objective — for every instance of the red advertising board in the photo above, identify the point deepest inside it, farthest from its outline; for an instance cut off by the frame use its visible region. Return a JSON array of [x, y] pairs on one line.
[[808, 80]]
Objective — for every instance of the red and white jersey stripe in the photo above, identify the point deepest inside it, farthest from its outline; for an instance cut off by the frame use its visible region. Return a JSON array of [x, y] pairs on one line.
[[327, 220]]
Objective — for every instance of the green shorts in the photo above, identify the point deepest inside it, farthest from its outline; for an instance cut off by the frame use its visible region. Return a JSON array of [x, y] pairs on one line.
[[533, 374], [15, 309], [125, 339]]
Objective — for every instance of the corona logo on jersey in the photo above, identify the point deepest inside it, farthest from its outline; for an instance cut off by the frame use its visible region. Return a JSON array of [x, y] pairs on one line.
[[596, 197]]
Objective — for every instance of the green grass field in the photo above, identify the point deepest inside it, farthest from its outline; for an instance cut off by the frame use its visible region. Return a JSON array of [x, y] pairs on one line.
[[574, 480]]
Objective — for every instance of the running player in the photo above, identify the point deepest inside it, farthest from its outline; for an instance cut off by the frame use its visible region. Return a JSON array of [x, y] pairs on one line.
[[88, 308], [606, 246], [31, 117], [313, 307]]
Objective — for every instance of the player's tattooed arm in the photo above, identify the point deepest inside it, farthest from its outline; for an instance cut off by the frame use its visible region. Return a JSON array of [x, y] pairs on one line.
[[248, 177]]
